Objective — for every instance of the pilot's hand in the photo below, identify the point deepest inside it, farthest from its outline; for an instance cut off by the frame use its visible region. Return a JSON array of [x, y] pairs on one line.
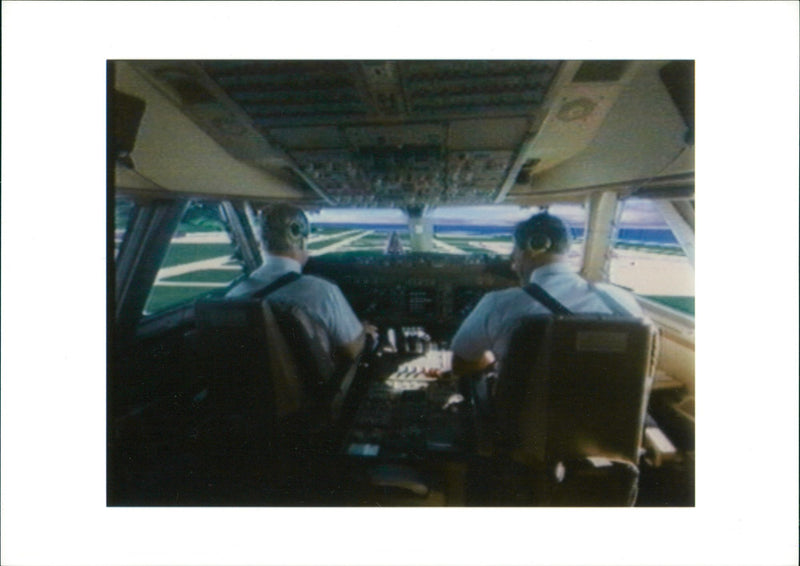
[[439, 373], [370, 329], [371, 335]]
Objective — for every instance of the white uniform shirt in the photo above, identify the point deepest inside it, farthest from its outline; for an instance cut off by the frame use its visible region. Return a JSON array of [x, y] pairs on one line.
[[320, 299], [489, 325]]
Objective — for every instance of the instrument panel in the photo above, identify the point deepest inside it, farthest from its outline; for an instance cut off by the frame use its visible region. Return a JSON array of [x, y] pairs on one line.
[[434, 290]]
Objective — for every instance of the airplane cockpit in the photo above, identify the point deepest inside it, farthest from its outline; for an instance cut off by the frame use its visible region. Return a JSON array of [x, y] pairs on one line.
[[413, 174]]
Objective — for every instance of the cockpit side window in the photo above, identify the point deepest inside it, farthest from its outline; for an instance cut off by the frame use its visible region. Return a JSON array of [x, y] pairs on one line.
[[650, 256], [201, 259], [123, 214]]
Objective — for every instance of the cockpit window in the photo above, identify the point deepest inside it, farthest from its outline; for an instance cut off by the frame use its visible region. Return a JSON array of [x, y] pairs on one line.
[[201, 259], [123, 213], [649, 258], [459, 230]]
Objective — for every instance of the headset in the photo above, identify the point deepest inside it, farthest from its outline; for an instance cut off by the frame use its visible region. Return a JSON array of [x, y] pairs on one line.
[[534, 242], [291, 225], [542, 234], [539, 242], [299, 232], [298, 229]]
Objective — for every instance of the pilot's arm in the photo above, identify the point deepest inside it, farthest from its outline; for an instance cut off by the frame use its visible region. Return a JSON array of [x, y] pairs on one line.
[[352, 349], [348, 334], [472, 344], [463, 366]]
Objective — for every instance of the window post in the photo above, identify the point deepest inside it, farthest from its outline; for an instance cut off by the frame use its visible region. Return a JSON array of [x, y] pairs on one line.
[[600, 232]]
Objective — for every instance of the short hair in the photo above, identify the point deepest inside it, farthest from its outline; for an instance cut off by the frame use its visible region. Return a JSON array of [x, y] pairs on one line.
[[284, 227], [535, 232]]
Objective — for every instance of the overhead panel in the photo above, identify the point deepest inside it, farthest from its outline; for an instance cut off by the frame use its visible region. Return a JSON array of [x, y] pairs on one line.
[[487, 133], [624, 135], [176, 148], [311, 137], [392, 133], [407, 133]]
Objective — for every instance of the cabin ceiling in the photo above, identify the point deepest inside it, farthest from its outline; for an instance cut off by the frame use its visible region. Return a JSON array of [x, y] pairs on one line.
[[396, 133]]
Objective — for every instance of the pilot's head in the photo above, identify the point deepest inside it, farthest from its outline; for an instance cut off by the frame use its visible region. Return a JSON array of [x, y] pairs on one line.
[[285, 229], [539, 240]]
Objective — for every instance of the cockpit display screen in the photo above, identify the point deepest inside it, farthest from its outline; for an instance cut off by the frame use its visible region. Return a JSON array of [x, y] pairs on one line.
[[465, 299], [421, 300]]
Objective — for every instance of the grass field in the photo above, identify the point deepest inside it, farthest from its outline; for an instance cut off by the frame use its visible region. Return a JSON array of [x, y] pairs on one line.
[[164, 297], [175, 285], [180, 253], [205, 276], [683, 304]]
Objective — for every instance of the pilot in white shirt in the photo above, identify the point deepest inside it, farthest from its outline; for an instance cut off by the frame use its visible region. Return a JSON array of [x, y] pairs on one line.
[[285, 232], [539, 256]]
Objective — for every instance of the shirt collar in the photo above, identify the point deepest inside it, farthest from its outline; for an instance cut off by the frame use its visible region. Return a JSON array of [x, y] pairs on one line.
[[275, 265], [541, 273]]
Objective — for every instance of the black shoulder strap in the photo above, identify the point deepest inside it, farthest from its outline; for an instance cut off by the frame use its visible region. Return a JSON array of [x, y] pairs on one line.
[[284, 279], [536, 291], [610, 302]]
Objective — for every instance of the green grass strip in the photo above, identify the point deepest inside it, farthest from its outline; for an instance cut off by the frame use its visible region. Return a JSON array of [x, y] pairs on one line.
[[683, 304], [180, 253], [162, 298], [206, 276]]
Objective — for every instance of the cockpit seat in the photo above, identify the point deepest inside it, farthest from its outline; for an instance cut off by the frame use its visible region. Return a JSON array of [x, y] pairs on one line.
[[311, 349], [267, 381], [571, 401]]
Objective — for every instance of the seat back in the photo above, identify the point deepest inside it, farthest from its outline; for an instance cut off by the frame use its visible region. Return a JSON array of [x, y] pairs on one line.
[[326, 378], [241, 402], [278, 346], [310, 346], [575, 387], [270, 360], [247, 420]]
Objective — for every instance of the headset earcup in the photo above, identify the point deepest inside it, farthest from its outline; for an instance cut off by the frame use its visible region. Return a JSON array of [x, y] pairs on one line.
[[539, 242]]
